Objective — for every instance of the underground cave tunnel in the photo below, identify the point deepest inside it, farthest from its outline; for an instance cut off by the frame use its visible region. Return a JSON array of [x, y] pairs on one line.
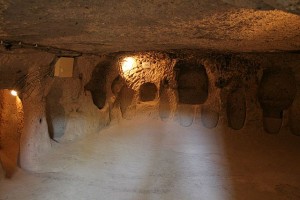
[[171, 115], [150, 100]]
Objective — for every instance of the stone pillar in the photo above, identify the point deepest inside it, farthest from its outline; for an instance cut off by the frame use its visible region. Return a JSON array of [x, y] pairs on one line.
[[35, 140]]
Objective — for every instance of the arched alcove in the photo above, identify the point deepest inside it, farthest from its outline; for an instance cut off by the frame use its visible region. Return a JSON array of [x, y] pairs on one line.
[[236, 109], [97, 84], [55, 112], [276, 93], [148, 92], [192, 83]]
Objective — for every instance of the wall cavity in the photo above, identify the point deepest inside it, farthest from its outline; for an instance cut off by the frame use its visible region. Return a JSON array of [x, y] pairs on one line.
[[55, 111], [148, 92], [97, 84], [216, 90], [236, 109], [276, 93], [192, 83]]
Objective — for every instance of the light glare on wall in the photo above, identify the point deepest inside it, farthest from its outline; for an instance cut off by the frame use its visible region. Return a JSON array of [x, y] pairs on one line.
[[14, 93], [128, 64]]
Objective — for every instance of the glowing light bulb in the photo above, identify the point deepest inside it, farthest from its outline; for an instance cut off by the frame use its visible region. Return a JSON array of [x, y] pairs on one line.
[[128, 64], [14, 93]]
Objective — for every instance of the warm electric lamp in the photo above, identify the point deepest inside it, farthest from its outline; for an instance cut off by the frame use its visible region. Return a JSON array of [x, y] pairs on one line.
[[128, 64], [14, 93]]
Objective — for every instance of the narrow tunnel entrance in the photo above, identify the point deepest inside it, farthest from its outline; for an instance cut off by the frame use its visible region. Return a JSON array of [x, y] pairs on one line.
[[11, 125], [148, 92]]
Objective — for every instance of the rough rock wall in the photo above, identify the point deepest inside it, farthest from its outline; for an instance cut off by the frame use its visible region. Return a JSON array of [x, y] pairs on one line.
[[150, 67], [11, 128], [71, 112], [63, 108], [112, 26], [35, 141], [26, 72], [14, 67], [289, 5], [235, 82]]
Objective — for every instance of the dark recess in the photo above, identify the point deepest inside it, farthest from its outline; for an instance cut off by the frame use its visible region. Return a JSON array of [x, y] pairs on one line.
[[277, 91], [97, 84], [192, 83], [148, 92]]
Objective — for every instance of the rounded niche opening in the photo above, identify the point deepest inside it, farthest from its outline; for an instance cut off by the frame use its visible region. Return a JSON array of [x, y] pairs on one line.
[[192, 83], [276, 93], [97, 84], [148, 92]]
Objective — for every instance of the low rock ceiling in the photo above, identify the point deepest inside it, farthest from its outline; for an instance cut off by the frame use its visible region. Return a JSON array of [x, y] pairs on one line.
[[99, 26]]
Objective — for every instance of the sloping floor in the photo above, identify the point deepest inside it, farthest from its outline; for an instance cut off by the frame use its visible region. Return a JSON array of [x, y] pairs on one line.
[[150, 159]]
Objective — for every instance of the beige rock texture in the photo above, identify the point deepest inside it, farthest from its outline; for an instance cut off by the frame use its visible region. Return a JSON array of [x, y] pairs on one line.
[[15, 66], [154, 159], [62, 109], [71, 112], [113, 26], [98, 134], [25, 74], [35, 141], [226, 73]]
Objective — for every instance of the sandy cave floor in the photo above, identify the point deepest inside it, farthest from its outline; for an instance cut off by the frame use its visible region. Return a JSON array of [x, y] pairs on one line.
[[150, 159]]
